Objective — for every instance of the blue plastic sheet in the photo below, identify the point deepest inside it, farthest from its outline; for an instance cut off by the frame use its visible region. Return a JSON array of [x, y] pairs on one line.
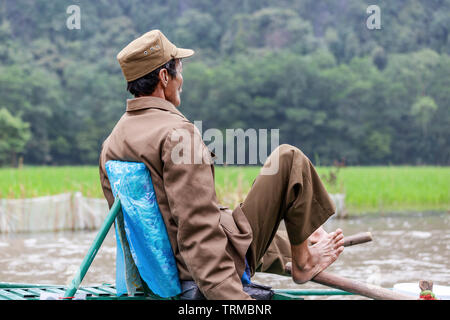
[[145, 230], [246, 275]]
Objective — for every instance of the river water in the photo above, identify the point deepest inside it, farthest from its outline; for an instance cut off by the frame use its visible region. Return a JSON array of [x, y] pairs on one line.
[[406, 248]]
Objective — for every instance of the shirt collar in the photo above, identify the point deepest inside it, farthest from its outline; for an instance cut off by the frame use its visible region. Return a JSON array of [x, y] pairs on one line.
[[149, 102]]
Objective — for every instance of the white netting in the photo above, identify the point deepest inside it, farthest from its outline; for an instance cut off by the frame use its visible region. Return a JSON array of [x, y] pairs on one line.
[[339, 201], [51, 213], [71, 212]]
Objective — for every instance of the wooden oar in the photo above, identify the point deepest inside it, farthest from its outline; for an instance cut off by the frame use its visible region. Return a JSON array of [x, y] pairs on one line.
[[356, 287], [357, 239]]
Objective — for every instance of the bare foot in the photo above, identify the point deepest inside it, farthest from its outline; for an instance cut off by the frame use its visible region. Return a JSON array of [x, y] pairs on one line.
[[308, 261], [317, 235]]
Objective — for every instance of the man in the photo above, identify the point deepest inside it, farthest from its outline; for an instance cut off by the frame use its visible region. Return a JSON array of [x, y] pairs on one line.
[[212, 245]]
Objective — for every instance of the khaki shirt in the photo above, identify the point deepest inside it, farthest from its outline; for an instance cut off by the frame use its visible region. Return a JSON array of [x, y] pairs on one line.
[[209, 242]]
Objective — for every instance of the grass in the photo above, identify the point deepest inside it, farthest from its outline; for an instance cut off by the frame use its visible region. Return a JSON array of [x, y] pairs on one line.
[[367, 189], [395, 188], [41, 181]]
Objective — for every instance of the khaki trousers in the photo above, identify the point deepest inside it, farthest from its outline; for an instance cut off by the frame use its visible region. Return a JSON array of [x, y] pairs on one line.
[[295, 194]]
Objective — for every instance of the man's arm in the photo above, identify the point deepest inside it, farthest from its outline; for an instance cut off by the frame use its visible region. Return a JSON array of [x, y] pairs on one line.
[[106, 187], [193, 204]]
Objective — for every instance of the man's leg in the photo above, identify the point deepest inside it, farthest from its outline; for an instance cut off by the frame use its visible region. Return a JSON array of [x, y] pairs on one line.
[[276, 257], [296, 194]]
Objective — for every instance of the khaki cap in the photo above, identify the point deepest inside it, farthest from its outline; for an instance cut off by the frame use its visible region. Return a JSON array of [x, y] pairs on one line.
[[147, 53]]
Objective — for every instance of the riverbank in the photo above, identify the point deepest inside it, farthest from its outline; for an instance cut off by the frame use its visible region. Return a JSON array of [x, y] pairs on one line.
[[367, 189]]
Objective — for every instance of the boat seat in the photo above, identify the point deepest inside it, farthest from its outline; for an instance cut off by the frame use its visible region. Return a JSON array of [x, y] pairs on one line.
[[143, 247]]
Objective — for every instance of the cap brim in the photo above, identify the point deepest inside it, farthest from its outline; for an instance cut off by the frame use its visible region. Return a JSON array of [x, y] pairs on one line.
[[183, 53]]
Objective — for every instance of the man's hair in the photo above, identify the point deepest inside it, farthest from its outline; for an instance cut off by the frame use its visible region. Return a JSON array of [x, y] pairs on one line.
[[144, 86]]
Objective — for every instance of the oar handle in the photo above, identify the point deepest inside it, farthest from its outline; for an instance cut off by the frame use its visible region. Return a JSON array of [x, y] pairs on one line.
[[356, 287], [86, 263], [359, 288], [357, 239]]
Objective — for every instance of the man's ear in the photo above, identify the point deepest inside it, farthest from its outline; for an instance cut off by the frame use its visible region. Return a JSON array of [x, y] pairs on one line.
[[164, 77]]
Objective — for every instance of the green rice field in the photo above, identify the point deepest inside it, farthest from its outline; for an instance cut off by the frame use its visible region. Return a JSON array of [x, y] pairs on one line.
[[367, 189]]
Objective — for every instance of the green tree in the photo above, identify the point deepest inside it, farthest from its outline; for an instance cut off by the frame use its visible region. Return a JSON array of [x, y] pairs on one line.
[[423, 110], [14, 134], [197, 30], [310, 68]]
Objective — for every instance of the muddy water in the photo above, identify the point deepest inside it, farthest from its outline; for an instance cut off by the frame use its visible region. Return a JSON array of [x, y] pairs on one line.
[[405, 248]]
